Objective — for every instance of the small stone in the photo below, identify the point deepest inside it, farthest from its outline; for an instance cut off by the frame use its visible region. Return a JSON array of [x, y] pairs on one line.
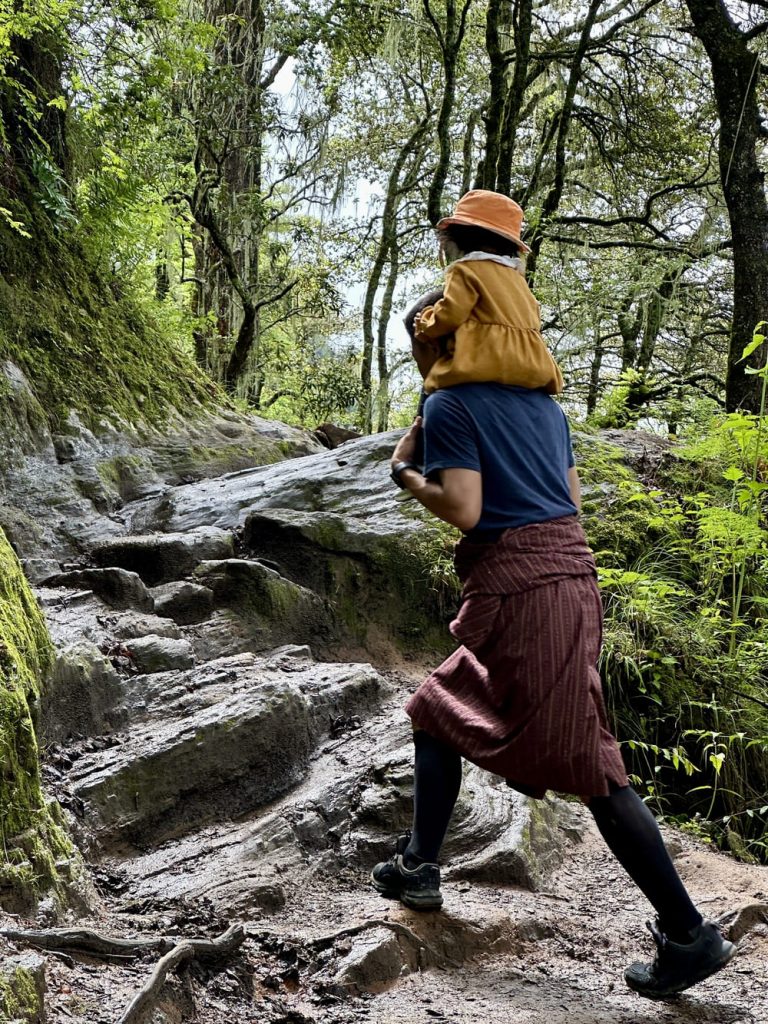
[[185, 603], [160, 654], [131, 624]]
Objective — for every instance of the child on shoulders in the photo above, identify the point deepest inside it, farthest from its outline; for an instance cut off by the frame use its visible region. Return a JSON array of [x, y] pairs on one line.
[[486, 306]]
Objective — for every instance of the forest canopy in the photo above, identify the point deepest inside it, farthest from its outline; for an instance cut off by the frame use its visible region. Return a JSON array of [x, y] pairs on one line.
[[210, 199], [264, 180]]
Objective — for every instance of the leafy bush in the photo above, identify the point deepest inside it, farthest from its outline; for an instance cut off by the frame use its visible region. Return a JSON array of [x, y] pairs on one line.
[[683, 572]]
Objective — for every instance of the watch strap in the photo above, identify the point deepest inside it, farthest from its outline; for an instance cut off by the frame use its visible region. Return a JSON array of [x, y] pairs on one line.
[[399, 468]]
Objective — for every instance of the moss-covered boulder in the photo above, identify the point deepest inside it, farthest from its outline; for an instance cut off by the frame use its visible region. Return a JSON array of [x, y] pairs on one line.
[[22, 989], [32, 837]]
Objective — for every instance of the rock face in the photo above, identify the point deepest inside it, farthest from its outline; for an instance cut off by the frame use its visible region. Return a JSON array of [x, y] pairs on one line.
[[160, 653], [61, 493], [116, 587], [160, 559], [216, 743], [22, 989], [197, 738]]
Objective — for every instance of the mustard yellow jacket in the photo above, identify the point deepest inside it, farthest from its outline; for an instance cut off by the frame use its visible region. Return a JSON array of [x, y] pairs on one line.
[[494, 319]]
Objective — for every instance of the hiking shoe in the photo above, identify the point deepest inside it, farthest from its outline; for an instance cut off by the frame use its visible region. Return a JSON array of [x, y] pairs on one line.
[[418, 888], [676, 967]]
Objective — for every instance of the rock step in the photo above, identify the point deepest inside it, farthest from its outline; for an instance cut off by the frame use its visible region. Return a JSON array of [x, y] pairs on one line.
[[343, 817], [164, 557], [219, 750], [116, 587]]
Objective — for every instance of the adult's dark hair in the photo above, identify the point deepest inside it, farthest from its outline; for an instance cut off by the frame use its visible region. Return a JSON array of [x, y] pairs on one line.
[[469, 238], [428, 299]]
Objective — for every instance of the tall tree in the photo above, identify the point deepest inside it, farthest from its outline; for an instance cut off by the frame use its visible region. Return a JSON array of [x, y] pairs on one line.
[[736, 74]]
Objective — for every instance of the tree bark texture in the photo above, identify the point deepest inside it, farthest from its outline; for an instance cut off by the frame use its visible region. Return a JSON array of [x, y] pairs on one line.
[[450, 38], [735, 75], [522, 27]]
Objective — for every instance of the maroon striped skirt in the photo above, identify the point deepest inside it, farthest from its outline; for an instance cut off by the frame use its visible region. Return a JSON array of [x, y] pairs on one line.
[[521, 696]]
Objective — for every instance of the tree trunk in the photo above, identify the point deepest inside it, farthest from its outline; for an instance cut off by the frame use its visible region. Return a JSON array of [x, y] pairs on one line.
[[593, 392], [735, 74], [496, 15], [552, 200], [385, 310], [387, 240], [450, 39], [522, 23], [27, 122]]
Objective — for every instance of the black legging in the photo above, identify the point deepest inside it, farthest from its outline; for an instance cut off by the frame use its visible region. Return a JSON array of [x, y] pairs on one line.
[[624, 821]]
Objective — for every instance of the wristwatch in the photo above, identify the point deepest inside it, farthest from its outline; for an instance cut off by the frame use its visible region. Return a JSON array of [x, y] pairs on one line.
[[398, 468]]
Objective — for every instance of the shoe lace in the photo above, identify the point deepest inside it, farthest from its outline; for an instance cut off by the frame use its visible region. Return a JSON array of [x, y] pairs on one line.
[[400, 846], [661, 940]]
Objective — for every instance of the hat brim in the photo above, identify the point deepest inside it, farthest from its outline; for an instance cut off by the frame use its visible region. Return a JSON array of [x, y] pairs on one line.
[[477, 222]]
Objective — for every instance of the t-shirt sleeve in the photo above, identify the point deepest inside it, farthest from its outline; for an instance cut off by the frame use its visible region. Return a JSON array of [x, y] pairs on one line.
[[450, 435]]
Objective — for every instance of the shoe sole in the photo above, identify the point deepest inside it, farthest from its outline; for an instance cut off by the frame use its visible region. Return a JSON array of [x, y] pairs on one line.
[[671, 992], [412, 902], [429, 903]]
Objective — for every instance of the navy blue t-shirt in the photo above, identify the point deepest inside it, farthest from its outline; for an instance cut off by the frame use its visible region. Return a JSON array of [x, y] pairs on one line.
[[517, 438]]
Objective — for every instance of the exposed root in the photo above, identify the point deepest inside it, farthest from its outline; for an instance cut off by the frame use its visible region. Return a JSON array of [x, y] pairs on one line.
[[736, 923], [84, 940], [326, 941], [142, 1005]]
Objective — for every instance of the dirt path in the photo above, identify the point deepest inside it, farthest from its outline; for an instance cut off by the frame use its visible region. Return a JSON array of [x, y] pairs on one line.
[[495, 954]]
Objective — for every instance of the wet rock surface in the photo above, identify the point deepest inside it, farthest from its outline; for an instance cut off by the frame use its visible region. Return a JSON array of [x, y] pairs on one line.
[[224, 750], [116, 587], [62, 493], [160, 559]]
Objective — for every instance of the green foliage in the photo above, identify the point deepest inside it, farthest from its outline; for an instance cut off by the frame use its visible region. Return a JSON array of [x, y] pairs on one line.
[[83, 343], [432, 549], [686, 643], [623, 403], [313, 388]]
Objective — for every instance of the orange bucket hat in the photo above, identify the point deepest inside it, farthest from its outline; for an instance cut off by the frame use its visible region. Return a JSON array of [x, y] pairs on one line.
[[490, 210]]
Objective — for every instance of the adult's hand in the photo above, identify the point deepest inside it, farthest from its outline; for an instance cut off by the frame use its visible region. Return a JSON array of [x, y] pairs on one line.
[[406, 446]]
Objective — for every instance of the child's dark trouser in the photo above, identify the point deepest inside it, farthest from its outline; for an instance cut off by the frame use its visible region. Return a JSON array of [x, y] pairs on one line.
[[624, 821]]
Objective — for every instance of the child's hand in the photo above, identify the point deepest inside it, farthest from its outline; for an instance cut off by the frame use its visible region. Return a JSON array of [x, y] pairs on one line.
[[417, 324]]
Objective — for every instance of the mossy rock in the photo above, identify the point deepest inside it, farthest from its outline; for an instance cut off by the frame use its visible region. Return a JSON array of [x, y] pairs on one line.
[[379, 582], [32, 838], [22, 988], [82, 343]]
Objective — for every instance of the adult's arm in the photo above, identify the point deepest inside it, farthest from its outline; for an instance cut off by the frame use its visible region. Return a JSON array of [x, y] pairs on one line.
[[574, 486], [456, 496]]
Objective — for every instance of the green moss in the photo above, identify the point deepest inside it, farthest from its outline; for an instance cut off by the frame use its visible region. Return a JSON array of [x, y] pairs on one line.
[[275, 598], [19, 996], [31, 839], [209, 461], [83, 344]]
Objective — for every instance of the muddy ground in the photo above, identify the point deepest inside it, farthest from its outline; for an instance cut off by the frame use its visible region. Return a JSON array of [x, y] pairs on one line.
[[496, 953]]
